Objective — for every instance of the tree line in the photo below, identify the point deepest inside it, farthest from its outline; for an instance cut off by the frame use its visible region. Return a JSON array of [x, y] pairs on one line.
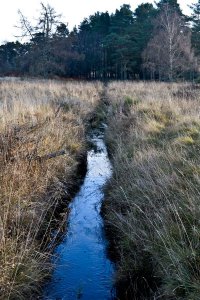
[[153, 42]]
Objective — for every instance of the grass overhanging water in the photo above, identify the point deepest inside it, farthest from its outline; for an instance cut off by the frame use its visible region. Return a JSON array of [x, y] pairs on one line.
[[42, 140], [152, 208], [152, 204]]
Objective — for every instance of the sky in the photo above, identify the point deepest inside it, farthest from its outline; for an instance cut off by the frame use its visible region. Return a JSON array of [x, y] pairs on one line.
[[73, 11]]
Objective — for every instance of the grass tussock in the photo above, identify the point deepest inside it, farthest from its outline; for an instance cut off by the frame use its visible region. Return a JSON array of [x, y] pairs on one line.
[[153, 200], [42, 139]]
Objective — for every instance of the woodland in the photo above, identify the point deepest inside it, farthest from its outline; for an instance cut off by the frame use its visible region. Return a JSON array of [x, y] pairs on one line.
[[154, 42]]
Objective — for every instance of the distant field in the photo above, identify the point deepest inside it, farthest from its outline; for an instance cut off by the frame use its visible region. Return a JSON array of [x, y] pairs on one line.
[[153, 199], [42, 139]]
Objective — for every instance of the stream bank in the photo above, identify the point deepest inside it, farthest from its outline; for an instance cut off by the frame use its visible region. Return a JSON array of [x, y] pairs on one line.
[[82, 269]]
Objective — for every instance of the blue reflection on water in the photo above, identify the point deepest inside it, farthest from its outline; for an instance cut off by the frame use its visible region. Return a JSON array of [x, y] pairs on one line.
[[82, 269]]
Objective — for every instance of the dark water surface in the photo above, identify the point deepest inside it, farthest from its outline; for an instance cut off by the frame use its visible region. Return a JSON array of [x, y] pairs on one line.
[[82, 269]]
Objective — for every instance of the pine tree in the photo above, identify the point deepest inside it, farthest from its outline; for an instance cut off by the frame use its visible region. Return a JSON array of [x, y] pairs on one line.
[[172, 4], [196, 27], [141, 33]]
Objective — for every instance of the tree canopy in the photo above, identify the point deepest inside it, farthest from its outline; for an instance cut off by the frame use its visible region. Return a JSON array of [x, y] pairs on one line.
[[123, 45]]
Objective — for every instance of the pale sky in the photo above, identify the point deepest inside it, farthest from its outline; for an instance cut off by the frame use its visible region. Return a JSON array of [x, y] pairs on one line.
[[73, 11]]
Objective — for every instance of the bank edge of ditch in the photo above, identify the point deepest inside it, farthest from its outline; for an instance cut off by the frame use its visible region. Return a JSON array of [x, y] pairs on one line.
[[95, 122], [131, 284], [53, 228], [123, 285], [61, 211], [151, 208], [54, 223]]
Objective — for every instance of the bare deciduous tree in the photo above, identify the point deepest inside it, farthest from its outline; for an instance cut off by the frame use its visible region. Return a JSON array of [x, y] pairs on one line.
[[169, 53], [25, 26], [48, 20], [43, 40], [46, 25]]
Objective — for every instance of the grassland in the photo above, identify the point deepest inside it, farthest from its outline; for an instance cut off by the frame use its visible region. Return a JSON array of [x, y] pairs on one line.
[[152, 206], [42, 140], [153, 200]]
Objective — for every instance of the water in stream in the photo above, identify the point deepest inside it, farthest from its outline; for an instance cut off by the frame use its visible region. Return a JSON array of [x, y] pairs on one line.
[[82, 269]]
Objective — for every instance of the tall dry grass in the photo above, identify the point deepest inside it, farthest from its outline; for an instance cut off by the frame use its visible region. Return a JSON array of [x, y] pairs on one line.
[[153, 200], [42, 139]]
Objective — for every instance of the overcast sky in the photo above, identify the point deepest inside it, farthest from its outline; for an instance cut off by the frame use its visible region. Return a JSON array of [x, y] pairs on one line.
[[73, 11]]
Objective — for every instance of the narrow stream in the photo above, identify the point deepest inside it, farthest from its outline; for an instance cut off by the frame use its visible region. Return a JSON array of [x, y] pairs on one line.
[[83, 270]]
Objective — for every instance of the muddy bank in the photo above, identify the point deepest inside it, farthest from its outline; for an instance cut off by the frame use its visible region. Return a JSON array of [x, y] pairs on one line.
[[59, 213]]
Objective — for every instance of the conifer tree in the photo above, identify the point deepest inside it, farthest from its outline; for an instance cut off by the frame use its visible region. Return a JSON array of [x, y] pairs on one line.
[[172, 4], [196, 27]]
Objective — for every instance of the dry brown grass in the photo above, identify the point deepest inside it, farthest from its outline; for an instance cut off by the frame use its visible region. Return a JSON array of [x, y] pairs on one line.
[[38, 118], [153, 199]]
